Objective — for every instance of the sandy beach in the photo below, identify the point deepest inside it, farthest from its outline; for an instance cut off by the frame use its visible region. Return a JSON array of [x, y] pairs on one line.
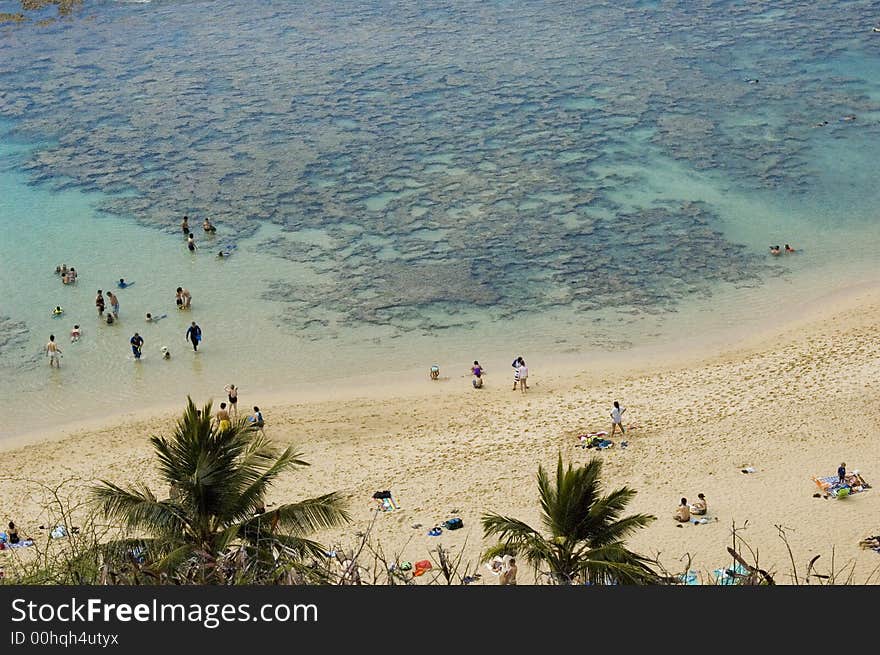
[[792, 404]]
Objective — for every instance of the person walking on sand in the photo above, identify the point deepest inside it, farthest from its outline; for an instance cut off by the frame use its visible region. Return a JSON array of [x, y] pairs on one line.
[[523, 372], [223, 417], [137, 345], [617, 419], [194, 334], [515, 366], [99, 302], [114, 303], [232, 395], [53, 352]]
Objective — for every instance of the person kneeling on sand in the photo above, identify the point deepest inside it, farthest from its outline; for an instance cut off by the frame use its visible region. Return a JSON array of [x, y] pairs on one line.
[[682, 513], [699, 507], [477, 372]]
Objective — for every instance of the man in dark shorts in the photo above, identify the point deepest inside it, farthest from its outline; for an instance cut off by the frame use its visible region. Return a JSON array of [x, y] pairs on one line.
[[99, 302], [194, 334], [137, 344]]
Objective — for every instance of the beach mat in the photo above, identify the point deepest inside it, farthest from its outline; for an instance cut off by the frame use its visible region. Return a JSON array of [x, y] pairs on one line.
[[831, 484]]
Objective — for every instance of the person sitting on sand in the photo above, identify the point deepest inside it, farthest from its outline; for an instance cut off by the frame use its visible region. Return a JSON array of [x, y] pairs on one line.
[[870, 542], [788, 249], [477, 372], [12, 534], [508, 576], [699, 507], [435, 372], [774, 250], [682, 513]]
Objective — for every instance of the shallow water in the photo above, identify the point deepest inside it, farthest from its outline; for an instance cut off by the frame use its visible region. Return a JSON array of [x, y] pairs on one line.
[[407, 184]]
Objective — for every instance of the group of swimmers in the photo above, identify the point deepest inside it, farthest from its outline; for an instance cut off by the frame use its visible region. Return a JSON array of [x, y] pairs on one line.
[[209, 228], [68, 275], [776, 250]]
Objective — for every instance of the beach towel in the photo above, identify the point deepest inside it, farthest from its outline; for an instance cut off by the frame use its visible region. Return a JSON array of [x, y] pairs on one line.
[[853, 483], [24, 543], [690, 578], [422, 566], [729, 576]]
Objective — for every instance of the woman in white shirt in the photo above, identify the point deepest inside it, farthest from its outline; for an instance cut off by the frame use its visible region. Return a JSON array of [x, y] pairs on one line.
[[617, 419]]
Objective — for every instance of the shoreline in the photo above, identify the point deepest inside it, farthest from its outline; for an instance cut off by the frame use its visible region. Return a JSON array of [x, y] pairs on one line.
[[670, 355]]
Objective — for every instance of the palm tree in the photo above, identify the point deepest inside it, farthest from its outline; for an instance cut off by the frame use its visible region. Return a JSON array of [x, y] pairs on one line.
[[218, 481], [586, 531]]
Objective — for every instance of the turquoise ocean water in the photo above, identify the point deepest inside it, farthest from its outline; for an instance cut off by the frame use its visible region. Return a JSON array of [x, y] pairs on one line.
[[407, 183]]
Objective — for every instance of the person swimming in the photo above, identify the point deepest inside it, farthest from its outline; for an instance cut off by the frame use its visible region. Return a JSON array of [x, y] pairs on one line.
[[153, 319], [223, 254], [122, 284], [208, 227], [57, 311], [774, 250], [789, 249]]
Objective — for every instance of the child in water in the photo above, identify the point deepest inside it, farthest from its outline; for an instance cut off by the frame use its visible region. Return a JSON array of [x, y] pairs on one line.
[[74, 334]]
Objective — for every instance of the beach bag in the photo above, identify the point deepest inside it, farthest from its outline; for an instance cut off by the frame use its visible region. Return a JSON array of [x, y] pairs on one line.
[[379, 495], [453, 524]]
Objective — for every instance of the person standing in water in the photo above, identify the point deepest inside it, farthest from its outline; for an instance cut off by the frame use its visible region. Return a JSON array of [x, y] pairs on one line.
[[223, 417], [191, 242], [184, 225], [99, 302], [53, 352], [184, 298], [617, 419], [114, 303], [194, 334], [137, 345], [232, 395]]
